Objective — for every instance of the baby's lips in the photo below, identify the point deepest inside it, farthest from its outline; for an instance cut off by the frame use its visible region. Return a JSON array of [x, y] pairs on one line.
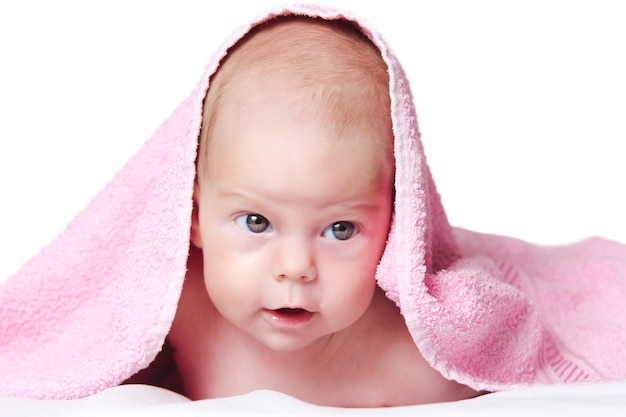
[[289, 318], [293, 308]]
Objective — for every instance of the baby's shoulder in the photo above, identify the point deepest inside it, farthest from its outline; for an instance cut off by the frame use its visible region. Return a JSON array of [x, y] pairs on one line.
[[387, 339], [398, 371]]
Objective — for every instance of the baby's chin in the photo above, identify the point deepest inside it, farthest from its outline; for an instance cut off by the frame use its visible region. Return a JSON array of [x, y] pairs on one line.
[[304, 343], [295, 343]]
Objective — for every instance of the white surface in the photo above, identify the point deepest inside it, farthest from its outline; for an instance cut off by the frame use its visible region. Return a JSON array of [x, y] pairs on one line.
[[521, 104], [574, 400]]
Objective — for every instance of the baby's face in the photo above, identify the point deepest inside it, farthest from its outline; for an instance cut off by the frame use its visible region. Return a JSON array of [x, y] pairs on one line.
[[292, 220]]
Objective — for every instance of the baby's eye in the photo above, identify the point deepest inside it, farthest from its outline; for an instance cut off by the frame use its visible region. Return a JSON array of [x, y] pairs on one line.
[[340, 230], [254, 223]]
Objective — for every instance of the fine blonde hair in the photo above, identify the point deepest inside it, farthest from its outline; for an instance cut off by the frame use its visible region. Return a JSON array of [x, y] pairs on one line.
[[330, 66]]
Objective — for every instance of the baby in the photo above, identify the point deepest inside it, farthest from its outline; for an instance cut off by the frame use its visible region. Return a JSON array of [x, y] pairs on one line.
[[293, 202]]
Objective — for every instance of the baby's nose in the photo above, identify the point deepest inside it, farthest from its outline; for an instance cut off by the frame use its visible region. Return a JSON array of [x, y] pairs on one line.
[[295, 260]]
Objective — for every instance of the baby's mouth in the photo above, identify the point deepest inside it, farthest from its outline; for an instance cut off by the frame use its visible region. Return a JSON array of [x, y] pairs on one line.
[[291, 311], [288, 317]]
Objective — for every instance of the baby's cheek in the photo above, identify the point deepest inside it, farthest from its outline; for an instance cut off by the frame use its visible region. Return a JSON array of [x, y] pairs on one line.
[[229, 275], [219, 269], [353, 282]]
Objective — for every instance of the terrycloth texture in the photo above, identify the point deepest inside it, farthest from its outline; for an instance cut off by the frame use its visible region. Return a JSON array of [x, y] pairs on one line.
[[95, 305]]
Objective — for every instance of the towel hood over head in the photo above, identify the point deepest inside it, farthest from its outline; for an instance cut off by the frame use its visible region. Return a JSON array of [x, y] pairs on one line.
[[95, 305]]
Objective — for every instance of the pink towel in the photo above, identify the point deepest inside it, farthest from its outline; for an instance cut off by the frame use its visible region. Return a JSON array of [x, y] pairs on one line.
[[95, 305]]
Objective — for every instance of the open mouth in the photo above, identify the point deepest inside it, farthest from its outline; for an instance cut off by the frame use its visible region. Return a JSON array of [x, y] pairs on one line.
[[289, 317], [291, 311]]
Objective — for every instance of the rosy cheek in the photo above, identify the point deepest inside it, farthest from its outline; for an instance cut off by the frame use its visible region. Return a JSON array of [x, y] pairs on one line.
[[230, 270], [219, 266], [353, 279]]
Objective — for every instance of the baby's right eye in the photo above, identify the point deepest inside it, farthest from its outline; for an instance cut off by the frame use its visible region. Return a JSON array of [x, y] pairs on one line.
[[253, 222]]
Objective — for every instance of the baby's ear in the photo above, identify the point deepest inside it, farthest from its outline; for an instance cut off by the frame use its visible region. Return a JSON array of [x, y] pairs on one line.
[[195, 235]]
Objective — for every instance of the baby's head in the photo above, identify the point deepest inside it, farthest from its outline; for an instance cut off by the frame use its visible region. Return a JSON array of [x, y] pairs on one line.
[[294, 188]]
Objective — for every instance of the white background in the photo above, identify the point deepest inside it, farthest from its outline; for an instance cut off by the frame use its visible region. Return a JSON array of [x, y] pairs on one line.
[[522, 104]]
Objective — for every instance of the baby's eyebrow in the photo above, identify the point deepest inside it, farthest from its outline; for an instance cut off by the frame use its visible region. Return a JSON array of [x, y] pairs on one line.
[[360, 205], [238, 195], [355, 204]]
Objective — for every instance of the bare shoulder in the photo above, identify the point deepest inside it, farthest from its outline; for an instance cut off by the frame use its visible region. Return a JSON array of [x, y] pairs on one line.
[[192, 331], [400, 368]]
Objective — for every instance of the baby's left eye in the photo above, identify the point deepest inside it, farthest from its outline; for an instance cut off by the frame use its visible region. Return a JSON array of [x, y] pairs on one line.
[[341, 230]]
